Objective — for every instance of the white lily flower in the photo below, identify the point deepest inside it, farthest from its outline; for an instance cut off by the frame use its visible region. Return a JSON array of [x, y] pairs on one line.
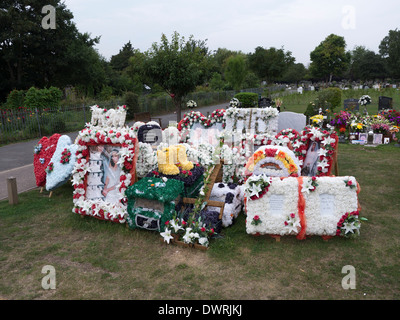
[[167, 235]]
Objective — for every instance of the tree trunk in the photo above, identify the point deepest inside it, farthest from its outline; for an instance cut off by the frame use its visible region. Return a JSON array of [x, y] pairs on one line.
[[178, 107]]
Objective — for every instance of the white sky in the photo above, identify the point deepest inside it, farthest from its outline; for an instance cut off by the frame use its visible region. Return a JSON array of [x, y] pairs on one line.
[[296, 25]]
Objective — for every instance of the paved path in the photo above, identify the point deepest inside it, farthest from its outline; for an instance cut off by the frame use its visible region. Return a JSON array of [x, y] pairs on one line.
[[16, 159]]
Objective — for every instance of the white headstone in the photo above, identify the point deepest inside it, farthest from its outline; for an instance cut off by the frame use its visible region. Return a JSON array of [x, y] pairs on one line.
[[291, 120], [300, 90]]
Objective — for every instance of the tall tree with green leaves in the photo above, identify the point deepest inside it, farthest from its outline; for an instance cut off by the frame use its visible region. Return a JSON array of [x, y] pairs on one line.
[[329, 58], [366, 65], [389, 49], [178, 66], [32, 55], [235, 71], [120, 61], [270, 64]]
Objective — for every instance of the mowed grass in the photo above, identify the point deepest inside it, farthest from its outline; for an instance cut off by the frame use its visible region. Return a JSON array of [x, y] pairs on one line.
[[96, 259]]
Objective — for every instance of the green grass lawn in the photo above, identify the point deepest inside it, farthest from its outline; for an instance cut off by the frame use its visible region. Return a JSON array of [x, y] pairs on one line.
[[299, 102], [96, 259]]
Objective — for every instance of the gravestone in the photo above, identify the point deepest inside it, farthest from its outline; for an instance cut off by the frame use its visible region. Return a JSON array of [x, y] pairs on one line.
[[351, 105], [264, 102], [385, 103], [150, 133], [291, 120], [300, 90]]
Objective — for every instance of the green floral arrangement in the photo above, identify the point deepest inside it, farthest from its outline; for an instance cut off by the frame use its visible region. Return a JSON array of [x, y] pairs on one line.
[[162, 190]]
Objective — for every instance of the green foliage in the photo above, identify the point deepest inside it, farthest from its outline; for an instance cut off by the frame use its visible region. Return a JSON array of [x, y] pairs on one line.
[[389, 49], [366, 65], [15, 99], [248, 99], [178, 66], [132, 104], [251, 80], [120, 61], [216, 82], [235, 71], [43, 98], [311, 110], [270, 64], [329, 58], [106, 93], [294, 73], [330, 98], [33, 56]]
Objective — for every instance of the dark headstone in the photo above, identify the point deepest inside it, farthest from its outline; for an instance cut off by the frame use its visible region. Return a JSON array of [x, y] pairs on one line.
[[264, 102], [149, 133], [385, 103], [351, 105]]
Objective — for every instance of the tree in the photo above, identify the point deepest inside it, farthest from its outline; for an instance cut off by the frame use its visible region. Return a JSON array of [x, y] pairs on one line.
[[366, 64], [270, 64], [177, 66], [31, 55], [235, 71], [329, 58], [120, 61], [389, 49], [294, 73]]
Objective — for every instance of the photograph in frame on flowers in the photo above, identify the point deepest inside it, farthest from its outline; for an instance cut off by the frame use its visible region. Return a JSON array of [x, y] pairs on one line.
[[363, 137], [311, 160], [326, 153], [105, 168], [378, 138], [104, 176]]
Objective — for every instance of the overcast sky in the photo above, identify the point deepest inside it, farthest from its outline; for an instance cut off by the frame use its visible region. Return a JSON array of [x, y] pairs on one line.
[[296, 25]]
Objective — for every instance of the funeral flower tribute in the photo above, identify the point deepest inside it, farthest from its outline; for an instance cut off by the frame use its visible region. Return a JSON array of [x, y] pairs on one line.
[[125, 140]]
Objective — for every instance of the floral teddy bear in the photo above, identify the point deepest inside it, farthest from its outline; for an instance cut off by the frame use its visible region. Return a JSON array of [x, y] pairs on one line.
[[171, 158]]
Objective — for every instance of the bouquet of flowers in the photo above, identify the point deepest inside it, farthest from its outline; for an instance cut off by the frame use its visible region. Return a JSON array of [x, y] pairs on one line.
[[392, 116], [191, 231], [317, 120], [357, 127], [380, 128], [234, 102], [278, 102], [364, 100], [341, 120], [191, 104]]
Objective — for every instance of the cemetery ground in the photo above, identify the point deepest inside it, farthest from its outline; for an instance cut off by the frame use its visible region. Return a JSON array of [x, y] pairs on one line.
[[96, 259]]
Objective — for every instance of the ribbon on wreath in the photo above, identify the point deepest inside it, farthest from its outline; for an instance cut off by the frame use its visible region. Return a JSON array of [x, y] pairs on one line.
[[301, 205]]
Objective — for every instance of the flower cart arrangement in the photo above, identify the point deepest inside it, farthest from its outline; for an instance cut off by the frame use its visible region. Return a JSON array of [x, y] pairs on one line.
[[152, 202], [197, 222]]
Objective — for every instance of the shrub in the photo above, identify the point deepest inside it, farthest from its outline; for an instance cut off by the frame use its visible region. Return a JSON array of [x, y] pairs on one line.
[[330, 98], [247, 99], [132, 104], [43, 98], [15, 99]]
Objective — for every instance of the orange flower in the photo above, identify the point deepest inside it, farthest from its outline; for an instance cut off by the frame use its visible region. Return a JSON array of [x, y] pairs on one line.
[[281, 155]]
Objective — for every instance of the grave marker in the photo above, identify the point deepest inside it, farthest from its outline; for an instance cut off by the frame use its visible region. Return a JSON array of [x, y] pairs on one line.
[[385, 103], [351, 105], [291, 120]]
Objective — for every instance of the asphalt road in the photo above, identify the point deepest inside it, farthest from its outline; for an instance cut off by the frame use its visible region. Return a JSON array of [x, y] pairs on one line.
[[16, 160]]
